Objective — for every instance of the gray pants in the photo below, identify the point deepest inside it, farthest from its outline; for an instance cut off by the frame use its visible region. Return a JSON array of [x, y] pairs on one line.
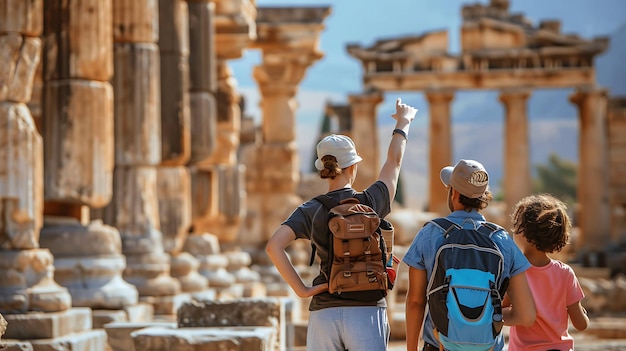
[[348, 328]]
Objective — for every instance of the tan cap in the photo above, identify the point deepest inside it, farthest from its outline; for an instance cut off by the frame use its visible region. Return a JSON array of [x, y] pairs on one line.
[[468, 177]]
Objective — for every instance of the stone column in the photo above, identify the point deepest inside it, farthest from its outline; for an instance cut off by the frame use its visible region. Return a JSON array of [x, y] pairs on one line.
[[617, 166], [517, 180], [78, 136], [440, 151], [202, 79], [288, 38], [218, 201], [364, 133], [134, 209], [173, 177], [26, 270], [592, 192]]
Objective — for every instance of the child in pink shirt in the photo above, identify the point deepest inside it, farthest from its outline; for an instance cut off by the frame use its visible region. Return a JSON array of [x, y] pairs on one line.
[[541, 226]]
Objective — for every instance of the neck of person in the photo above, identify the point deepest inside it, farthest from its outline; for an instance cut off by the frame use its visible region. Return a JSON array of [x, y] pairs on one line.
[[340, 182]]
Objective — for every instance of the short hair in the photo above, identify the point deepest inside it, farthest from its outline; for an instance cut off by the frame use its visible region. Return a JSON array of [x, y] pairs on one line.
[[543, 221], [479, 203]]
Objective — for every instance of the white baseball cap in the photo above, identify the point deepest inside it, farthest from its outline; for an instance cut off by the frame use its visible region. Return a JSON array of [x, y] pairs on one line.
[[468, 177], [339, 146]]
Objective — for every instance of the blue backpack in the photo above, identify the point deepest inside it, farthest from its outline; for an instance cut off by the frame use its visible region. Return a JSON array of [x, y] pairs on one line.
[[466, 287]]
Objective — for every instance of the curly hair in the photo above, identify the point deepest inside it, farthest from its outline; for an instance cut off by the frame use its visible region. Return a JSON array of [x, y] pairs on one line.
[[543, 221], [331, 167]]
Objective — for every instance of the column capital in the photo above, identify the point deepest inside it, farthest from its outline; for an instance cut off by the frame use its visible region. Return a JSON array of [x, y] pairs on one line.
[[373, 97], [439, 95], [583, 92], [279, 79], [509, 94]]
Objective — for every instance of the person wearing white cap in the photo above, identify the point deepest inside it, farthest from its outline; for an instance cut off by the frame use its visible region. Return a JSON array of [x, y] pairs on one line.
[[467, 184], [336, 323]]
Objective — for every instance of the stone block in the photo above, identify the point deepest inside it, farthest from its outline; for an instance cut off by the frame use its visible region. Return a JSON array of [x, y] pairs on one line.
[[174, 27], [16, 345], [25, 17], [119, 333], [20, 56], [175, 111], [136, 21], [206, 339], [137, 108], [203, 122], [296, 333], [39, 325], [78, 40], [91, 340], [102, 317], [140, 313], [174, 194], [78, 112], [265, 312], [202, 58], [167, 305]]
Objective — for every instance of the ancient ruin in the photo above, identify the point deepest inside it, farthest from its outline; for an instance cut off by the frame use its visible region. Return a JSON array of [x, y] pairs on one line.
[[137, 196]]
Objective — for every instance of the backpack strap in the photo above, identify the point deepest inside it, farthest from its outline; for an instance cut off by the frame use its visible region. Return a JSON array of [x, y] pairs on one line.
[[488, 228], [445, 225], [328, 203]]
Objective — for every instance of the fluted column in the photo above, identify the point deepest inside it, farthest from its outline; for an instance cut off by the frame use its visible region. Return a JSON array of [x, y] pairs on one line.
[[134, 209], [26, 270], [440, 151], [517, 180], [592, 191], [364, 133]]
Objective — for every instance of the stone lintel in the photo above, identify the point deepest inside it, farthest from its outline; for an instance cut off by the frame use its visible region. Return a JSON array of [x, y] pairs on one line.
[[495, 79], [40, 325], [283, 29], [235, 27]]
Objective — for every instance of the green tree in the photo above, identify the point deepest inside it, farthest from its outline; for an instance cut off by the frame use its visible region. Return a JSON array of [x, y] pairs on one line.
[[558, 177]]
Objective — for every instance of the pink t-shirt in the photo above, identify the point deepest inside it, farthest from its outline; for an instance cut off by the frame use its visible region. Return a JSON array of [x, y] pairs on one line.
[[554, 287]]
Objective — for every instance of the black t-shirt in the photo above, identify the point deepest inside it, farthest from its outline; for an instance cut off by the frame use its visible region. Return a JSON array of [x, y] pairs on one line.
[[310, 221]]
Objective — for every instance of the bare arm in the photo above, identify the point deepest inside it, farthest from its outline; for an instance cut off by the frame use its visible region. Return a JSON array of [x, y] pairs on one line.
[[522, 308], [275, 248], [415, 307], [578, 316], [391, 168]]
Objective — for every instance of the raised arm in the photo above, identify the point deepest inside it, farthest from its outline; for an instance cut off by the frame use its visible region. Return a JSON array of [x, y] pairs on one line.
[[391, 168]]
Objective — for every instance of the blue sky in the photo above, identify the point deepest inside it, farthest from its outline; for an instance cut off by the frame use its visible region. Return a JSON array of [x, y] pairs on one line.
[[365, 21], [338, 75]]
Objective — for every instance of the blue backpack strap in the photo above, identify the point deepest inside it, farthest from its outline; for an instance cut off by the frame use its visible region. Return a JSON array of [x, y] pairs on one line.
[[445, 225]]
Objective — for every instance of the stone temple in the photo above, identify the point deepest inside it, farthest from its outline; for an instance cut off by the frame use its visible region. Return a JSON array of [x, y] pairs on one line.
[[137, 196]]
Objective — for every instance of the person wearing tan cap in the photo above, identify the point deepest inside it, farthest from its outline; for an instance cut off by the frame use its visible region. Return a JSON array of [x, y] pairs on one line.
[[467, 184], [335, 322]]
